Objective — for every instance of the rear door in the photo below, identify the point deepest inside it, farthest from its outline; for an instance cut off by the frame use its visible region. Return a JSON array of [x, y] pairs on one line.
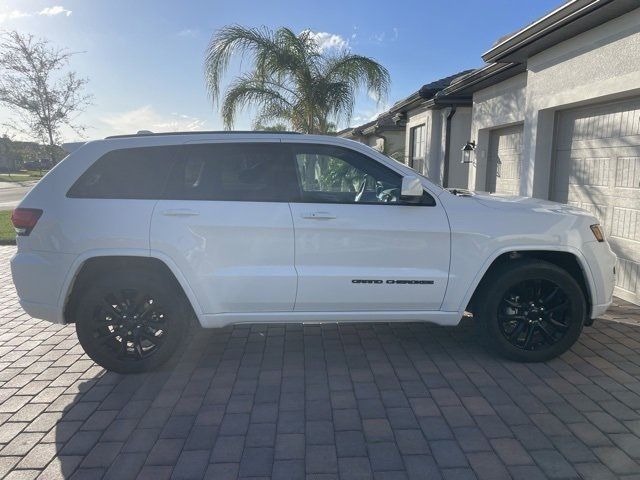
[[226, 223], [358, 247]]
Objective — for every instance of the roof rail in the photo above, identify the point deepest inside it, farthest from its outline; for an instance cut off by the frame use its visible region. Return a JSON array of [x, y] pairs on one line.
[[146, 133]]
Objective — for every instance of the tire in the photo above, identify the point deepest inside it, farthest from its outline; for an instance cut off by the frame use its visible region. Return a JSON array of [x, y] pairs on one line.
[[148, 312], [530, 311]]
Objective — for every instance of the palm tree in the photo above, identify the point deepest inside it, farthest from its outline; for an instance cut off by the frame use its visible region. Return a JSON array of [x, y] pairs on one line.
[[292, 80]]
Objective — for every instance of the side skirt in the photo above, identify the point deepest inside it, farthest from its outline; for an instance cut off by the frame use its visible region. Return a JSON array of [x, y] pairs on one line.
[[223, 319]]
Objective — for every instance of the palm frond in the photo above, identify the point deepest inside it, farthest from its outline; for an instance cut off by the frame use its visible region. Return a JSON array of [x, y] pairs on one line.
[[249, 89], [360, 71], [290, 79], [228, 41]]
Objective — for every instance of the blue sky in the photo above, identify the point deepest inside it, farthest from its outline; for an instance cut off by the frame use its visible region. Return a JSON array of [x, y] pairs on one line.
[[144, 58]]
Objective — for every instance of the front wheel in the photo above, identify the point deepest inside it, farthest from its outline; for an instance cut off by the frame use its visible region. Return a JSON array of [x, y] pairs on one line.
[[132, 321], [531, 311]]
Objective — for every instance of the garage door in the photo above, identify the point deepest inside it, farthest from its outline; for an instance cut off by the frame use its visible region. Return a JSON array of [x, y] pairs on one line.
[[597, 167], [503, 164]]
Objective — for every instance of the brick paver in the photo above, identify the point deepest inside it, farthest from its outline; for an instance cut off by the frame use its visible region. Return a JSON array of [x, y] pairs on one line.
[[396, 401]]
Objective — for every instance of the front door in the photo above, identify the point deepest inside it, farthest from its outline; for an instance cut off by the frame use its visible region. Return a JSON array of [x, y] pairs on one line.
[[358, 247], [225, 221]]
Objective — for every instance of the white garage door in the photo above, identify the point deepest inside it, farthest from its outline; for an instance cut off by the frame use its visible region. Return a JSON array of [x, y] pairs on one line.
[[503, 164], [597, 167]]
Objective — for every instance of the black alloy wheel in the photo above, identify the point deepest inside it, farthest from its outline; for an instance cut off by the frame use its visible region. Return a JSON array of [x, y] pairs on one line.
[[131, 324], [534, 314], [132, 320], [530, 310]]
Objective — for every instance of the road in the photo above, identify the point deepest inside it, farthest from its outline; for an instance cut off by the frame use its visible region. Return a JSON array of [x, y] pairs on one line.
[[11, 194]]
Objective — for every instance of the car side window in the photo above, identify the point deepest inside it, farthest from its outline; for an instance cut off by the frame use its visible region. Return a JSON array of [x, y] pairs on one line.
[[340, 175], [132, 173], [247, 172]]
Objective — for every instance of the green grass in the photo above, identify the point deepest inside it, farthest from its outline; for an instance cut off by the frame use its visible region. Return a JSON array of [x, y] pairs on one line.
[[22, 176], [7, 233]]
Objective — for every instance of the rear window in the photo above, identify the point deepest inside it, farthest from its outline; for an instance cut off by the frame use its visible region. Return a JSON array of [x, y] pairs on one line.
[[249, 172], [136, 173]]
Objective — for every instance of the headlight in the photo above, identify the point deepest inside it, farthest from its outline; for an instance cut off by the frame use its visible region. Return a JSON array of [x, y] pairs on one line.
[[597, 232]]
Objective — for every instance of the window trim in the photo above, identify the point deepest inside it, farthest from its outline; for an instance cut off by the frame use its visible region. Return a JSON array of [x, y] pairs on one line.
[[428, 199], [412, 139]]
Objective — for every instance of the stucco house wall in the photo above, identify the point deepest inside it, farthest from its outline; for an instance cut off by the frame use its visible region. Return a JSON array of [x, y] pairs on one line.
[[577, 103], [460, 128], [392, 144], [599, 65], [435, 120], [383, 134], [426, 117], [497, 106]]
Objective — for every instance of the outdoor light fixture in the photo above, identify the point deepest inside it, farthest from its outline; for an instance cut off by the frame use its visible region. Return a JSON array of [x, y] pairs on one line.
[[467, 150]]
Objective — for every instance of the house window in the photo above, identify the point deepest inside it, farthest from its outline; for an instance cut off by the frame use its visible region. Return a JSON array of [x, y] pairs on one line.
[[417, 148]]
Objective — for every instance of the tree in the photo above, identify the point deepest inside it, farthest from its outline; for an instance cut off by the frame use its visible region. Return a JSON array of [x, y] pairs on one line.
[[276, 127], [292, 80], [43, 98]]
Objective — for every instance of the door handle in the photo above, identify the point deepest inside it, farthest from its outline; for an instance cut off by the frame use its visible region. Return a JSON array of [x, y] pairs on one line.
[[318, 215], [180, 212]]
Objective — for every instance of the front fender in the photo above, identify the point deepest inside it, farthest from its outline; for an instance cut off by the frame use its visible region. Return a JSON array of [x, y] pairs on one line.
[[451, 304]]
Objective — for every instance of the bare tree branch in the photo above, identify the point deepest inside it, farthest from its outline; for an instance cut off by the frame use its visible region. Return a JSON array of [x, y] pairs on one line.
[[42, 97]]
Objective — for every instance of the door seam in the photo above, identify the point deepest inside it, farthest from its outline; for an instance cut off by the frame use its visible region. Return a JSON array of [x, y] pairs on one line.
[[295, 268]]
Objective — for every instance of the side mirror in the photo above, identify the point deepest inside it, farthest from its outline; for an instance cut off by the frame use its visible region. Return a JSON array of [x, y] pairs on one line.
[[411, 188]]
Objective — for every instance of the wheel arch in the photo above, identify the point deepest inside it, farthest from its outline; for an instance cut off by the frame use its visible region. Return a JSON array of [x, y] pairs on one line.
[[569, 260], [92, 264]]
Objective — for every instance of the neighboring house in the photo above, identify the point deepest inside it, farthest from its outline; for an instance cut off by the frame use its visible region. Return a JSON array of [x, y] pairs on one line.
[[385, 134], [556, 115], [435, 130]]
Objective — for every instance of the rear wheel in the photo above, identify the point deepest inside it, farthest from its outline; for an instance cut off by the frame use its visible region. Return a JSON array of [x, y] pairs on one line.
[[531, 311], [131, 322]]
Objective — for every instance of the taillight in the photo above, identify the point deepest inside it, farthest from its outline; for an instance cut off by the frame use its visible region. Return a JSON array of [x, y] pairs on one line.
[[24, 219]]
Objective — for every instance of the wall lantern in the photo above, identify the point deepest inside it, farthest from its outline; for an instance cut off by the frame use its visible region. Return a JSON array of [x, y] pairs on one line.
[[467, 151]]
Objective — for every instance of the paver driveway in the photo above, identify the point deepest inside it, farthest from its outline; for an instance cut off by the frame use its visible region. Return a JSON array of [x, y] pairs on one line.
[[350, 401]]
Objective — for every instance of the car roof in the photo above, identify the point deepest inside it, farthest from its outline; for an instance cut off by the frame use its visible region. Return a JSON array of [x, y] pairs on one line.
[[146, 139], [145, 133]]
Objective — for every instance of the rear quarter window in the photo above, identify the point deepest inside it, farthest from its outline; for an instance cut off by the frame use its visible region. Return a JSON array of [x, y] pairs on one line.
[[135, 173]]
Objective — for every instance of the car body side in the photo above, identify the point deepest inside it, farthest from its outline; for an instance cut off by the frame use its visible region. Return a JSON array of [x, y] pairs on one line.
[[481, 231]]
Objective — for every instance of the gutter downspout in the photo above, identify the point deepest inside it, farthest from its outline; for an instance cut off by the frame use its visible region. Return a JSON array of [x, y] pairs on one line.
[[447, 147]]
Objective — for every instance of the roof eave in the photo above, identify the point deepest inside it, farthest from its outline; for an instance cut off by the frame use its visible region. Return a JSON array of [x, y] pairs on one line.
[[569, 20], [374, 129], [482, 78]]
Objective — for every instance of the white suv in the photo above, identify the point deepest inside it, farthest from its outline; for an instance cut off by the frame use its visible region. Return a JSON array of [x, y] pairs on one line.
[[131, 237]]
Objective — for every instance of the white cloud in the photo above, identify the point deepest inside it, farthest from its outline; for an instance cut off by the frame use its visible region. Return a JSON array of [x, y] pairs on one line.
[[12, 15], [383, 37], [373, 95], [327, 40], [55, 10], [47, 12], [147, 118], [368, 114], [378, 37], [189, 32]]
